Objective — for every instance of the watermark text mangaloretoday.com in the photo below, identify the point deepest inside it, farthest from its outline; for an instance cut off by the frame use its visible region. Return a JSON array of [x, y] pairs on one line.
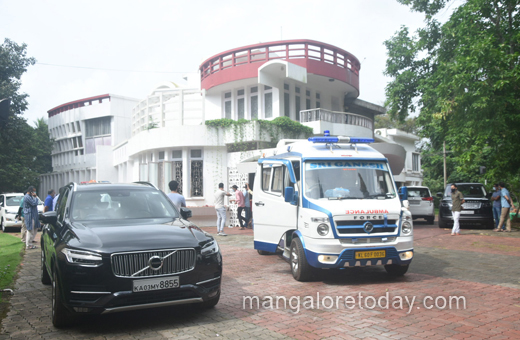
[[359, 301]]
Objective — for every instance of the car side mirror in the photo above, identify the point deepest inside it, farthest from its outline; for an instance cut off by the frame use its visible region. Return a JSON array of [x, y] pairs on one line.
[[403, 194], [50, 217], [185, 213], [289, 195], [439, 194]]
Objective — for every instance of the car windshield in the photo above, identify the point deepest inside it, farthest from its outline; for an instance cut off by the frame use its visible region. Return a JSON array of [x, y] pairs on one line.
[[121, 204], [348, 180], [468, 190], [13, 201]]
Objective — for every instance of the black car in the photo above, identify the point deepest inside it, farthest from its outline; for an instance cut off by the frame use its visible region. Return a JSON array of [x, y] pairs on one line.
[[476, 211], [118, 247]]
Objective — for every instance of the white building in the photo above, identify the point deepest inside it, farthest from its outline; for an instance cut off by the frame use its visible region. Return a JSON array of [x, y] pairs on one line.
[[164, 136], [412, 173]]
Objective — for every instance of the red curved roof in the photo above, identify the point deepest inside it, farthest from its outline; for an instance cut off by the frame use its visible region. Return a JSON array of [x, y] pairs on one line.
[[317, 57], [76, 104]]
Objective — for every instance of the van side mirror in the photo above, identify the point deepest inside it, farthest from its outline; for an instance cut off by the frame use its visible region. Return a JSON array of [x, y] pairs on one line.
[[289, 195], [49, 217], [403, 193], [185, 213]]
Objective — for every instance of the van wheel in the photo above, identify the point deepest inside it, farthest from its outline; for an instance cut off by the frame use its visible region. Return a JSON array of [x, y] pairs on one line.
[[61, 316], [396, 270], [300, 268], [46, 279], [263, 252]]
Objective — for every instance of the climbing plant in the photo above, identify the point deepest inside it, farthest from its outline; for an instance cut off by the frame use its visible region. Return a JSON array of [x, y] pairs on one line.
[[276, 129]]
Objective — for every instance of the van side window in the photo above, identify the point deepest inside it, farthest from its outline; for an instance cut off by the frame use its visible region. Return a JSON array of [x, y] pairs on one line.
[[277, 179], [266, 176]]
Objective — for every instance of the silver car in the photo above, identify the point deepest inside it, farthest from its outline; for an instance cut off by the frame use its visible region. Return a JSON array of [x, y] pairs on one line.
[[421, 203]]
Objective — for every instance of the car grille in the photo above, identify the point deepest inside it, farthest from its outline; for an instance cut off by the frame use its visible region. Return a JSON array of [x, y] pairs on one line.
[[136, 264]]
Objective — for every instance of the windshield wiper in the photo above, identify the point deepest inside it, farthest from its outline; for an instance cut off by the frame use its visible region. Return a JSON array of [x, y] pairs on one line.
[[342, 198], [377, 196]]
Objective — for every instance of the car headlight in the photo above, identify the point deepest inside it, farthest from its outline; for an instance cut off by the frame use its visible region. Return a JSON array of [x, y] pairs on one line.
[[406, 228], [323, 229], [82, 258], [209, 248]]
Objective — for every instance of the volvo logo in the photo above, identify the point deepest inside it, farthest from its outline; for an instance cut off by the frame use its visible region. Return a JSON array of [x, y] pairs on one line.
[[155, 262], [369, 227]]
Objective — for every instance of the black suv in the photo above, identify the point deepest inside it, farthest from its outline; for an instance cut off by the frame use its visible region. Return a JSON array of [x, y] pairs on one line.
[[476, 211], [119, 247]]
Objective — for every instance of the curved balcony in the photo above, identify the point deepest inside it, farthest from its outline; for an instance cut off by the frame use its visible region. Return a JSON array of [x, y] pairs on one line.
[[317, 57]]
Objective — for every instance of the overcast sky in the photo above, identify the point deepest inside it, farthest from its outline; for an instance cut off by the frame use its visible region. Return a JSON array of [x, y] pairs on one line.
[[89, 48]]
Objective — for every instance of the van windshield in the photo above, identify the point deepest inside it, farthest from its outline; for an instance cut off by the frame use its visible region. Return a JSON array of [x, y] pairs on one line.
[[348, 180]]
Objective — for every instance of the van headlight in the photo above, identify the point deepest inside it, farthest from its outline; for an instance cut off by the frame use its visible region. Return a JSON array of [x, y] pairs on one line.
[[406, 228], [209, 248], [82, 258], [323, 229]]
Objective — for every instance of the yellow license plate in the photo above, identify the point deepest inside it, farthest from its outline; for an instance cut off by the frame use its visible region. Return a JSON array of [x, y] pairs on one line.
[[370, 254]]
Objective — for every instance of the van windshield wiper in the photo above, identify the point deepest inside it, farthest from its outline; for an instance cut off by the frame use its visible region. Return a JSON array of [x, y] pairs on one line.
[[383, 196]]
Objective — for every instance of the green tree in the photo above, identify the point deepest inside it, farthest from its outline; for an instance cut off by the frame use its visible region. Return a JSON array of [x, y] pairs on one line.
[[385, 121], [24, 150], [463, 79]]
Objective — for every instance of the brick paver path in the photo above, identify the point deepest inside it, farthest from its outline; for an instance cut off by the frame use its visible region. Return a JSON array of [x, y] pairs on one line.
[[480, 266]]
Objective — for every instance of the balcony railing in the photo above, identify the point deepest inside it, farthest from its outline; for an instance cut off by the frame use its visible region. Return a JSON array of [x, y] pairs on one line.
[[285, 50], [335, 117]]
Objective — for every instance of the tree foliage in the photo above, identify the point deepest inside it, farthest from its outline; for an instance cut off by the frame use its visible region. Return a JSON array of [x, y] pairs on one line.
[[463, 78], [25, 152], [387, 122]]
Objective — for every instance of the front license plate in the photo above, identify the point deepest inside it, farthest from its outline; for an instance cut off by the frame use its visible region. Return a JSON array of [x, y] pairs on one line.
[[370, 254], [467, 212], [147, 285]]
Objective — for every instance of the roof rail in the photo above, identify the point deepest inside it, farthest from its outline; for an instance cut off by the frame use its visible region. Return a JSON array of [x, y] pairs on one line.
[[146, 183]]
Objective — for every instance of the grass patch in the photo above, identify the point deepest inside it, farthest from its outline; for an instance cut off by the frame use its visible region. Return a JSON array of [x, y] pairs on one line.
[[10, 259]]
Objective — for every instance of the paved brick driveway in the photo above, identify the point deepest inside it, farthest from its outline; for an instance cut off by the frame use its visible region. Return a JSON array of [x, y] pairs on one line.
[[481, 266]]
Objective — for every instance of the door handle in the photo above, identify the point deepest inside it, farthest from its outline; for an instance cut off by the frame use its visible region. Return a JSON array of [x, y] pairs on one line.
[[259, 204]]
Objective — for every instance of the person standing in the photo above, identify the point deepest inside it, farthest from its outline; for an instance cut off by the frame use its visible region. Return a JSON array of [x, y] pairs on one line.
[[30, 211], [241, 204], [221, 209], [47, 204], [177, 199], [506, 203], [24, 227], [497, 205], [247, 201], [457, 200]]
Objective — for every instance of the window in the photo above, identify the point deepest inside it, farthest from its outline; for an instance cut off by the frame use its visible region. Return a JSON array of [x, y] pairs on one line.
[[318, 102], [176, 169], [177, 154], [286, 100], [266, 175], [254, 102], [298, 108], [97, 127], [240, 104], [307, 100], [227, 105], [161, 155], [268, 102], [277, 185], [197, 175], [416, 162]]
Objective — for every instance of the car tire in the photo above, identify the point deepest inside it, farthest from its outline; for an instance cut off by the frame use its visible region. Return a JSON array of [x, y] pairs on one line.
[[2, 224], [211, 302], [396, 270], [61, 316], [45, 278], [442, 224], [301, 269], [430, 220]]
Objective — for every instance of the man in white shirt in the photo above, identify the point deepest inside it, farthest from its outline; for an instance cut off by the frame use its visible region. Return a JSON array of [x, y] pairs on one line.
[[177, 199], [221, 209]]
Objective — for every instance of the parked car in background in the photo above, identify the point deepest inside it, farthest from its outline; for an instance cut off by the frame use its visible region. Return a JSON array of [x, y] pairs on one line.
[[9, 204], [118, 247], [421, 203], [476, 211]]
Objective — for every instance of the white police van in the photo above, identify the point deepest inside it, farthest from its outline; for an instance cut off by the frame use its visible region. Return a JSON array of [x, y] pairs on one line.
[[331, 202]]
